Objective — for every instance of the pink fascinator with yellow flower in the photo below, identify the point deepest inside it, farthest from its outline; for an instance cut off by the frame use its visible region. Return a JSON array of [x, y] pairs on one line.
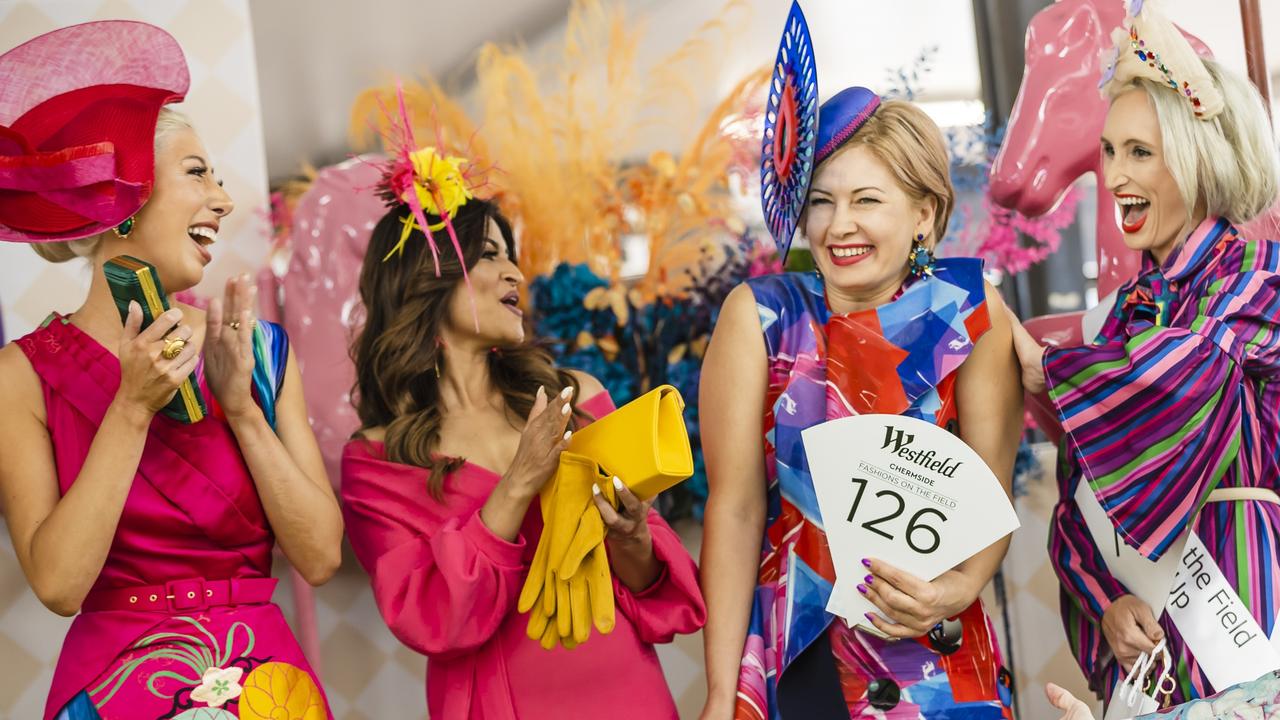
[[433, 184]]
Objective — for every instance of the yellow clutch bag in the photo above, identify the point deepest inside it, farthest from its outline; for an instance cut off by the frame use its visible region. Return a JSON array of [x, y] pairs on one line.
[[643, 442]]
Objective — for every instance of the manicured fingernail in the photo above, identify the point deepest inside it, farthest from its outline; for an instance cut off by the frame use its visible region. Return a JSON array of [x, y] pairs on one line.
[[866, 562], [567, 435], [869, 579], [541, 391], [595, 488], [565, 410], [869, 616], [565, 393], [862, 588], [617, 483]]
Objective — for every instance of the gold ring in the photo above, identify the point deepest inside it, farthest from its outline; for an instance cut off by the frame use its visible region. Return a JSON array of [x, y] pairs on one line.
[[234, 324], [172, 348]]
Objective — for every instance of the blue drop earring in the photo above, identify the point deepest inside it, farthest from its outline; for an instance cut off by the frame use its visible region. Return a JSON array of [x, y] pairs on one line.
[[920, 261]]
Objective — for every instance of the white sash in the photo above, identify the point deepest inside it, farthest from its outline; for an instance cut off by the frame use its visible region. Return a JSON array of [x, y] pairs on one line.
[[1149, 581], [1218, 629]]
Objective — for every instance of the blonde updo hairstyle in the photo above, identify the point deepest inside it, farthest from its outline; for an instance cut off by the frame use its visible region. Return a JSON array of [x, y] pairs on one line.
[[1227, 165], [64, 250], [909, 142]]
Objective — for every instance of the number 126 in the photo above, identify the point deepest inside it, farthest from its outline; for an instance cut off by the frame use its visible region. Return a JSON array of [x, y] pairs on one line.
[[914, 526]]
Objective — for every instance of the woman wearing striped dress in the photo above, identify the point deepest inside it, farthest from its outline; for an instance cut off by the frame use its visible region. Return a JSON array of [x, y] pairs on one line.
[[1172, 414]]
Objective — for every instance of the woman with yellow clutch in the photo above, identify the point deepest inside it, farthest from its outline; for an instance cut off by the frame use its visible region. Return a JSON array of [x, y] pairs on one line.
[[463, 423]]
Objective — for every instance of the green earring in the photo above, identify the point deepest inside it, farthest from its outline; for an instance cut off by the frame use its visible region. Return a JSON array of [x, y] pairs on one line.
[[123, 229]]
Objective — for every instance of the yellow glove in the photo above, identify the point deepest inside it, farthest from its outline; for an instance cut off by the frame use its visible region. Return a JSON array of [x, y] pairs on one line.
[[572, 501], [590, 599], [570, 585], [586, 568], [589, 532], [533, 591], [547, 596], [599, 582]]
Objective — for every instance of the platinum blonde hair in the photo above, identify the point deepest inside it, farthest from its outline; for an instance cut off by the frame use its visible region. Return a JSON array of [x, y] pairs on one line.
[[1229, 163]]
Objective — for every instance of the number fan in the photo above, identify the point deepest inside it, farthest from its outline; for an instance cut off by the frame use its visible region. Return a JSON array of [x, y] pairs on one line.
[[904, 491]]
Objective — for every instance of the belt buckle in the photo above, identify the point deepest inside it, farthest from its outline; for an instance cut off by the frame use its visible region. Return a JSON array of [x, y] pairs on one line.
[[190, 594]]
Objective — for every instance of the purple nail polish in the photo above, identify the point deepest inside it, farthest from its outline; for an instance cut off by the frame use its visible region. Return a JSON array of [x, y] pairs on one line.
[[862, 589], [869, 616], [870, 578], [866, 562]]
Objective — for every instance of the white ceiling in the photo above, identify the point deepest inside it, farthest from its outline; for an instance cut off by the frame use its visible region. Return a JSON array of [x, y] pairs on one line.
[[314, 57]]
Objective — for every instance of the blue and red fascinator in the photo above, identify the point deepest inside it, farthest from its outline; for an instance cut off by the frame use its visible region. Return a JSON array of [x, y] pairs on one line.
[[790, 131], [799, 135]]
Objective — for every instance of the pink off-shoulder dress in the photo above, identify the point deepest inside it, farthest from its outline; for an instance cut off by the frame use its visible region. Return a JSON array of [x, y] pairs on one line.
[[447, 586]]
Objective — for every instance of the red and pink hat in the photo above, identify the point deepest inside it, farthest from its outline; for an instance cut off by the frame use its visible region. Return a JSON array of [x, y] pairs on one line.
[[78, 110]]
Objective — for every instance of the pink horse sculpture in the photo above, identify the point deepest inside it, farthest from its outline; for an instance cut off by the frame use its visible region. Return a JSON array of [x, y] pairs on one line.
[[1053, 138]]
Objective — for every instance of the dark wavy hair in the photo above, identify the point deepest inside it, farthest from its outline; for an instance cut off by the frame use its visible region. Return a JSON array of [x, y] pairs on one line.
[[398, 351]]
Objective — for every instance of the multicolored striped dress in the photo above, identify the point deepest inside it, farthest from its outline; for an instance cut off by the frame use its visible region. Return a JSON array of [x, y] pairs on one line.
[[1174, 398], [899, 358]]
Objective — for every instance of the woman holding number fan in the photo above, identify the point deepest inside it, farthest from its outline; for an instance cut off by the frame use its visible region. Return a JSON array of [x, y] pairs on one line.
[[1171, 413], [881, 327]]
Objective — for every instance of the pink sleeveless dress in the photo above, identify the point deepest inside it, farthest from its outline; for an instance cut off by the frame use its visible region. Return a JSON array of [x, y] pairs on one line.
[[179, 623]]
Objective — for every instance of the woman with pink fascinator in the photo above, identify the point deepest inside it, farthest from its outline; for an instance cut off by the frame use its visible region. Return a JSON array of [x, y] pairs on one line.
[[458, 481], [150, 458], [1172, 413]]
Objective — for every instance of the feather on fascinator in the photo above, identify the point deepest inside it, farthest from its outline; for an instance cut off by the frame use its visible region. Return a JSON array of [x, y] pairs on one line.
[[428, 181], [1150, 46]]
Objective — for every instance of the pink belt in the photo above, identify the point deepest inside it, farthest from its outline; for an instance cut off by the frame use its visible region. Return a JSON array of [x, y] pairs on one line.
[[179, 596]]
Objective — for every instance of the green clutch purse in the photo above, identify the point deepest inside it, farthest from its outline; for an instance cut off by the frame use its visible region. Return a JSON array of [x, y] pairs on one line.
[[134, 279]]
